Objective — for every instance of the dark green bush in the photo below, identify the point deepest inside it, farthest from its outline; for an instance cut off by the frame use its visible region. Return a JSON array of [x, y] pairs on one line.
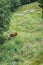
[[27, 1], [24, 1], [4, 17], [14, 4]]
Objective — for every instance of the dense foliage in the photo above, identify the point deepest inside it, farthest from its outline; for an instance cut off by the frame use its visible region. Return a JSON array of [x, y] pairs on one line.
[[4, 17], [14, 4], [41, 3], [27, 1]]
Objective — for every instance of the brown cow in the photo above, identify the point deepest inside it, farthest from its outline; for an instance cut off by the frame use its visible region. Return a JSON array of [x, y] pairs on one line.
[[13, 34]]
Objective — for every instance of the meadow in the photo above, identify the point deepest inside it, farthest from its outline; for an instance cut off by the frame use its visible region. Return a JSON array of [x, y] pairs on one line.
[[27, 47]]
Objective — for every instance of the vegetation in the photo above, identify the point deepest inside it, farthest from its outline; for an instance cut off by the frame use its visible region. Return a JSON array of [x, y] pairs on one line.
[[4, 18], [41, 3], [6, 8], [27, 47], [27, 1]]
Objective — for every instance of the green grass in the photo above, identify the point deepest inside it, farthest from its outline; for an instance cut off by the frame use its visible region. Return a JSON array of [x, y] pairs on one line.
[[27, 47]]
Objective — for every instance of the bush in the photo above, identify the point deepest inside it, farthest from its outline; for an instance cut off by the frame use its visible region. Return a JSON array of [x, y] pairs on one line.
[[4, 17], [14, 4], [27, 1], [24, 1]]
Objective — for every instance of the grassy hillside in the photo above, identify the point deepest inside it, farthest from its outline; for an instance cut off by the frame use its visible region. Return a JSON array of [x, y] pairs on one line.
[[27, 47]]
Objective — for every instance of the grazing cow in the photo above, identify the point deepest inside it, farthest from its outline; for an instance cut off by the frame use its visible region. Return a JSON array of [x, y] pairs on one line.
[[13, 34]]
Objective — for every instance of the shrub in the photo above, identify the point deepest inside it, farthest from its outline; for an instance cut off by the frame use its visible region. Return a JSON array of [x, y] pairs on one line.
[[4, 17]]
